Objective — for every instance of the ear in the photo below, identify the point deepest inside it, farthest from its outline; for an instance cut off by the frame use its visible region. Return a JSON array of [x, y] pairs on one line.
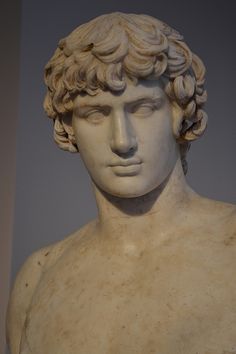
[[177, 124], [64, 134]]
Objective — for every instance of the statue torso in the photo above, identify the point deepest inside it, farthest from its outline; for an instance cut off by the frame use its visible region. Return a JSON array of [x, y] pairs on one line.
[[177, 297]]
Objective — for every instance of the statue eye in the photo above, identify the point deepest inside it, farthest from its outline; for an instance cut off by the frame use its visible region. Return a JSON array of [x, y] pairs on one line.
[[96, 115], [144, 109]]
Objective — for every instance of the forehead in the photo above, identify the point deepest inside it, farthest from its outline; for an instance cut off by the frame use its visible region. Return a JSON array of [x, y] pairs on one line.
[[143, 89]]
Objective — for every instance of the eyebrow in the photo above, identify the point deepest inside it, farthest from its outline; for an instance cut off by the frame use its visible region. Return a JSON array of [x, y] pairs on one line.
[[84, 107], [152, 99]]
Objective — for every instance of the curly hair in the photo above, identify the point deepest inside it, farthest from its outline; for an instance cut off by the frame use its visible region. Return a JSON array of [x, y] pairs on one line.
[[104, 52]]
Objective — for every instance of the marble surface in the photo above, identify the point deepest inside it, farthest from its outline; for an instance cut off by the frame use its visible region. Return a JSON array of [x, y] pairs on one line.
[[155, 272]]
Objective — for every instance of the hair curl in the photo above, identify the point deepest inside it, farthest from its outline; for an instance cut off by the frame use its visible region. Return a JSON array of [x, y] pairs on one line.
[[102, 53]]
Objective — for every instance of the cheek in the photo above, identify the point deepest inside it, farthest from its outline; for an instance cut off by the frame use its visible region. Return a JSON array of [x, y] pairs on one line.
[[93, 152], [90, 137], [158, 149], [90, 156], [156, 138], [86, 150]]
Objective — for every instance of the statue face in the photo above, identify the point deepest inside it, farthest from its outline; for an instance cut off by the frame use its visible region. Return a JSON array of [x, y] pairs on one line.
[[126, 139]]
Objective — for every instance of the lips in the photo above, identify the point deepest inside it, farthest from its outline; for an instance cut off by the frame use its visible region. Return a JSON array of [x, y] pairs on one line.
[[129, 167], [126, 163]]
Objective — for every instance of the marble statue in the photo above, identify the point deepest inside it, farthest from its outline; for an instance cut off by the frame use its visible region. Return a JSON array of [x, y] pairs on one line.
[[155, 272]]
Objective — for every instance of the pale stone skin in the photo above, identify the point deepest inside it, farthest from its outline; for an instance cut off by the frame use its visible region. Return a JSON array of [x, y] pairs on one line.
[[165, 291], [155, 273]]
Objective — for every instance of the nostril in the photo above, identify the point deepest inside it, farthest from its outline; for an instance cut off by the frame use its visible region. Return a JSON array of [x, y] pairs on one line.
[[124, 146]]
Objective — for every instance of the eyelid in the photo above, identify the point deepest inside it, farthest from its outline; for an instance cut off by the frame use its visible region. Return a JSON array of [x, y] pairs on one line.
[[86, 111], [154, 102]]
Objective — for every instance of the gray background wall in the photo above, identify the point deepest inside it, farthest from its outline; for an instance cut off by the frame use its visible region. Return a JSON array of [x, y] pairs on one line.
[[9, 85], [53, 196]]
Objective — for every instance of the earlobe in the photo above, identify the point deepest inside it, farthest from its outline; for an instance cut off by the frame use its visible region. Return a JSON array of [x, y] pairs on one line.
[[177, 114]]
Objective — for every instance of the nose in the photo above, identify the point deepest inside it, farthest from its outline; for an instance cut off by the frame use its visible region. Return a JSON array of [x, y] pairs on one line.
[[123, 138]]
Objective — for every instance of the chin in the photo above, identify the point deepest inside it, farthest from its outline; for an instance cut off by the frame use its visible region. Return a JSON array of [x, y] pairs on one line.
[[130, 190], [127, 195]]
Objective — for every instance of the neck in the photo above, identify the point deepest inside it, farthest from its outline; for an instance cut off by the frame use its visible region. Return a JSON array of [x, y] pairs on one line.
[[130, 218]]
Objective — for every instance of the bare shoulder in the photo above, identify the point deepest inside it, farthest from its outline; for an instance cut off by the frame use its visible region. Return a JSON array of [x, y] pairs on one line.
[[26, 283], [214, 209], [217, 218]]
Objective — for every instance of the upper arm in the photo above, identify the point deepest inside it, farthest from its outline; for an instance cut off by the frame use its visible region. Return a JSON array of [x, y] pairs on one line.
[[25, 286], [20, 299]]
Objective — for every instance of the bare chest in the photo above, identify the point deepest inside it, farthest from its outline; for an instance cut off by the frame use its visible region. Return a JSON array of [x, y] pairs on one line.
[[114, 306]]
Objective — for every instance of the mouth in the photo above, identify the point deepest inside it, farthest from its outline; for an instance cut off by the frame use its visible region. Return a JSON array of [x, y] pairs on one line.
[[126, 163], [130, 167]]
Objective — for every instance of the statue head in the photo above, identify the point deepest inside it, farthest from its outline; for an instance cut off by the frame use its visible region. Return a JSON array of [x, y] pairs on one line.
[[117, 50]]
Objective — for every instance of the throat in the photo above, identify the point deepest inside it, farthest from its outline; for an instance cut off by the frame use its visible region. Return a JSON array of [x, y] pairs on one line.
[[132, 219]]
